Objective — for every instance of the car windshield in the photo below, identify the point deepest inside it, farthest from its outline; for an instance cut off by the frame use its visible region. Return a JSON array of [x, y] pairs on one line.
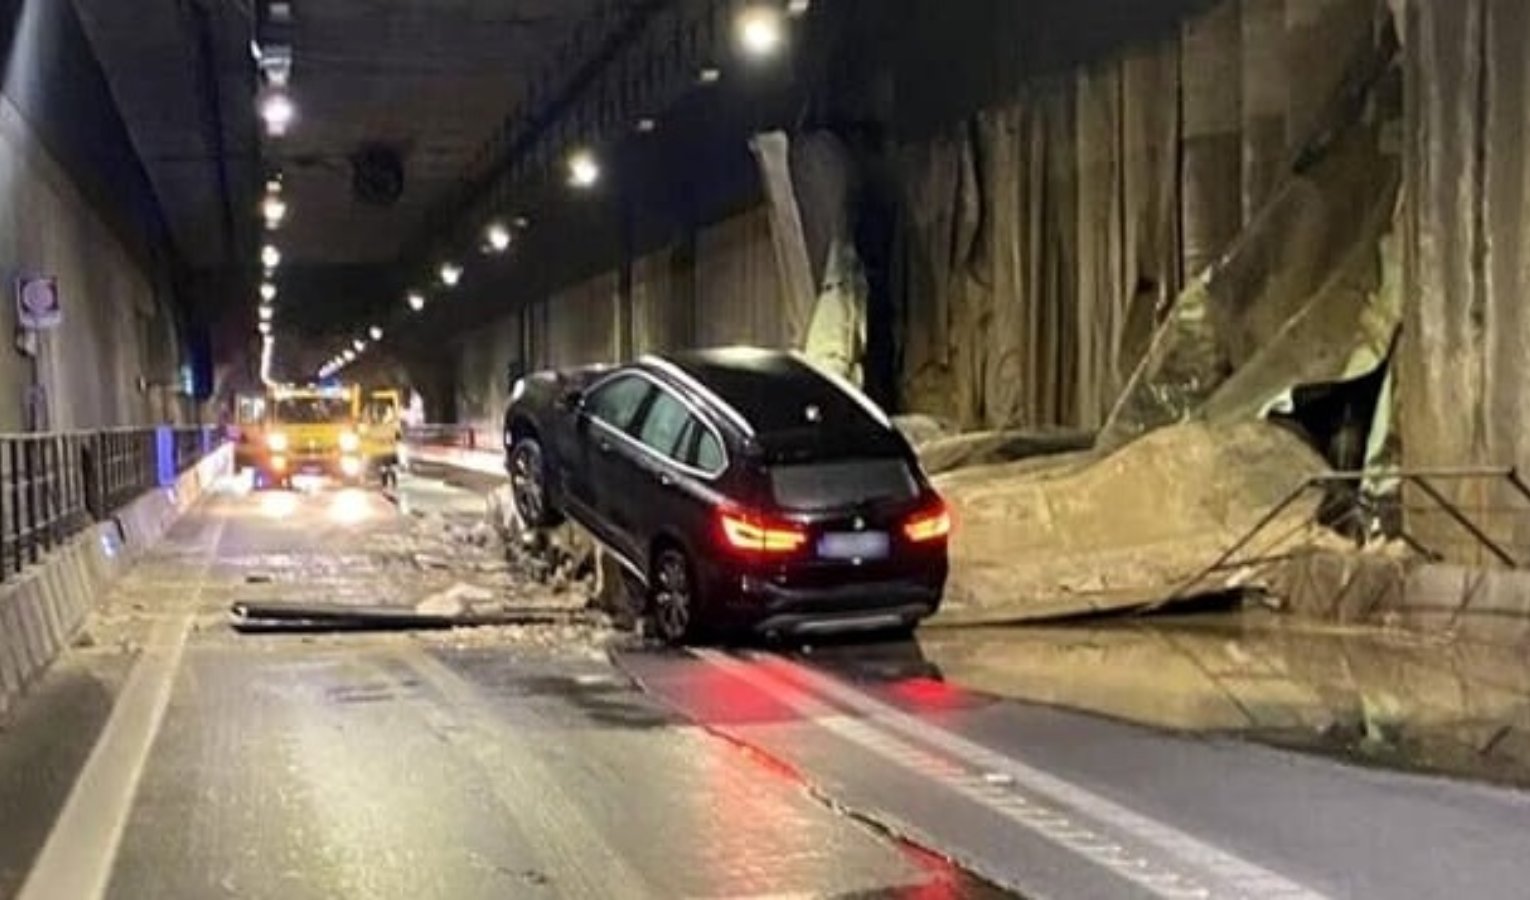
[[312, 411], [819, 486]]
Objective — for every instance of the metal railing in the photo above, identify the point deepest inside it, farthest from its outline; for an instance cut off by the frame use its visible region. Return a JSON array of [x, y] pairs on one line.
[[54, 485], [460, 436], [1359, 511]]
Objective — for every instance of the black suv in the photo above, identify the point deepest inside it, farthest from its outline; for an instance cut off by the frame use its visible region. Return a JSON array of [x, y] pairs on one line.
[[744, 488]]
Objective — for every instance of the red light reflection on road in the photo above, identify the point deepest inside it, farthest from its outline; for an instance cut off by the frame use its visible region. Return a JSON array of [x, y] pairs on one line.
[[928, 694]]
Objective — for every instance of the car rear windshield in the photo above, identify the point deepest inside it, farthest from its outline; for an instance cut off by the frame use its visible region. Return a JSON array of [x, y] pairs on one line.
[[840, 484]]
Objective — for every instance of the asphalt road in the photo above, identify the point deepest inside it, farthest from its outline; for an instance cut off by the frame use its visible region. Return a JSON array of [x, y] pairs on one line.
[[171, 757], [174, 758]]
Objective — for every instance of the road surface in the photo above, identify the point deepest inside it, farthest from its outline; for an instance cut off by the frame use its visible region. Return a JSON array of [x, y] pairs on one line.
[[169, 757]]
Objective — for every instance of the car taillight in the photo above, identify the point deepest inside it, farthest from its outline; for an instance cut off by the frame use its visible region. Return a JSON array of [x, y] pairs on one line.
[[930, 524], [755, 534]]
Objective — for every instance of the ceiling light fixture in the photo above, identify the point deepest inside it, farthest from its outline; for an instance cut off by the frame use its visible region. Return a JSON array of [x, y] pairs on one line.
[[267, 291], [266, 313], [277, 111], [497, 237], [265, 327], [375, 333], [450, 273], [274, 209], [709, 75], [583, 168], [270, 257], [759, 29], [349, 355], [275, 64], [646, 125], [795, 8], [416, 301], [359, 345]]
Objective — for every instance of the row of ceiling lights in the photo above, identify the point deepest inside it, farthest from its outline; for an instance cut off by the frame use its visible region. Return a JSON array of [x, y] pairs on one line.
[[759, 31], [277, 112]]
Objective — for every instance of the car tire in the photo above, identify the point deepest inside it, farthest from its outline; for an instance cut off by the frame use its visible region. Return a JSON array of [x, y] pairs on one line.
[[528, 485], [673, 607]]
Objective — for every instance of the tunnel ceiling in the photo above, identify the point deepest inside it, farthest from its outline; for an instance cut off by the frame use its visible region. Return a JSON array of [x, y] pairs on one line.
[[181, 78], [402, 110], [394, 99], [420, 82]]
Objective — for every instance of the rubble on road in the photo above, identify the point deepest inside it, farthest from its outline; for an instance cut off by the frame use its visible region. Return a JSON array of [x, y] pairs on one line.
[[427, 571], [1095, 533]]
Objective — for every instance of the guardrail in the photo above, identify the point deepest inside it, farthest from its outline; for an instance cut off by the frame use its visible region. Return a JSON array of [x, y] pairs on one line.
[[1360, 511], [52, 486], [462, 437]]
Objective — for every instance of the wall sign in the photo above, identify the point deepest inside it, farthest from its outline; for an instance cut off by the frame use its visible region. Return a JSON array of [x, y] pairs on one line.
[[37, 303]]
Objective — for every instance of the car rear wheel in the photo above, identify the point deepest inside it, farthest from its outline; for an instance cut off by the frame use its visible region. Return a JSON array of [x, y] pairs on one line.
[[528, 484], [673, 605]]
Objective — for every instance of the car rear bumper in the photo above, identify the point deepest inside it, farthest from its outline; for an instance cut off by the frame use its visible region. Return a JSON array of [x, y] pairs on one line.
[[768, 608]]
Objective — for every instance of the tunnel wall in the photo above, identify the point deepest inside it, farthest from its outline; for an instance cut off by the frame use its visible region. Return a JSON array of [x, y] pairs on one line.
[[1043, 238], [718, 289], [74, 203], [1464, 369], [1047, 236]]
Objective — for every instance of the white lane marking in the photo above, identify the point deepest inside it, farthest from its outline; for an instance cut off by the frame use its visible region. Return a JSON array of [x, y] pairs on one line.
[[1049, 823], [1249, 879], [77, 860]]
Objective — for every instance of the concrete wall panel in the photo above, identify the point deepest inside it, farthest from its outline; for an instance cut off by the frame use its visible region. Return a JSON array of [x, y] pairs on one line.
[[115, 329], [738, 297]]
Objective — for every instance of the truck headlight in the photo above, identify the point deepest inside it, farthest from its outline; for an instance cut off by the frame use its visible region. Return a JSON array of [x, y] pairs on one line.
[[277, 441], [349, 442]]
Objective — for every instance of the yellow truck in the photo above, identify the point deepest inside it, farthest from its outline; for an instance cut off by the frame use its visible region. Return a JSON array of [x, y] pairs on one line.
[[312, 431], [382, 424], [247, 429]]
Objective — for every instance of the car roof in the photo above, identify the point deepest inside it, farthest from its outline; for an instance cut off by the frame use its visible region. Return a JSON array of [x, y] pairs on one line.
[[778, 392]]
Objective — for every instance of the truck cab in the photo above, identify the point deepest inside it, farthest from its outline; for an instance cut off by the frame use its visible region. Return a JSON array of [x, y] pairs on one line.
[[312, 431]]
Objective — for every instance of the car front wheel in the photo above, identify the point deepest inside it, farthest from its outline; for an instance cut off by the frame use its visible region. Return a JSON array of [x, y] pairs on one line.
[[528, 485]]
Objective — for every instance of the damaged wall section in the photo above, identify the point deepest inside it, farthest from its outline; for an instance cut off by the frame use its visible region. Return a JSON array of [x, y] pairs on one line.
[[1050, 236], [1463, 361]]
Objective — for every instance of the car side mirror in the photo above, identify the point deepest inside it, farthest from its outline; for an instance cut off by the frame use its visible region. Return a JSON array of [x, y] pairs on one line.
[[571, 400]]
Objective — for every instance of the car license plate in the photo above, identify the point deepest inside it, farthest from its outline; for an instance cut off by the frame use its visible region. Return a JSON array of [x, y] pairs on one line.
[[854, 545]]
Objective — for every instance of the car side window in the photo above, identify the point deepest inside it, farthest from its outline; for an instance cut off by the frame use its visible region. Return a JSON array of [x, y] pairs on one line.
[[617, 402], [664, 425], [709, 453]]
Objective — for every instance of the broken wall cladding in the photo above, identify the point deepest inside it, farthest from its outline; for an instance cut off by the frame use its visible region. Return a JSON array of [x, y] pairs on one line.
[[1464, 360], [1047, 237]]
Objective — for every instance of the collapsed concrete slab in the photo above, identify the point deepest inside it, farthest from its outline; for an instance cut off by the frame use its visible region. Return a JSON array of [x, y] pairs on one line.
[[1088, 533]]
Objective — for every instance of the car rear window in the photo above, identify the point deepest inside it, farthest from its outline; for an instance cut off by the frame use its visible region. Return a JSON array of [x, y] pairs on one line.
[[836, 484]]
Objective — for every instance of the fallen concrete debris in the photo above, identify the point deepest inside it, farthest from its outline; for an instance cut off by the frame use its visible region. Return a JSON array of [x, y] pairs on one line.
[[1123, 531], [988, 448]]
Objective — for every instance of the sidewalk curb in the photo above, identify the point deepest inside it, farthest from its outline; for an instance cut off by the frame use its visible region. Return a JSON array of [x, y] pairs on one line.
[[43, 608]]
